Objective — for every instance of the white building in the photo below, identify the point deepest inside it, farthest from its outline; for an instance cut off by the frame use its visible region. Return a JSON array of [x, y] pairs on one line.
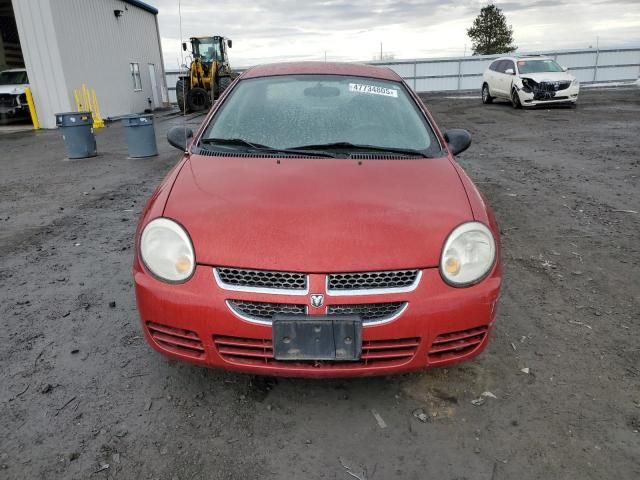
[[112, 46]]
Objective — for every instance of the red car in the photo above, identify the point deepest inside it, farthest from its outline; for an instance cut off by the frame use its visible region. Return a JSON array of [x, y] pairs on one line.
[[319, 226]]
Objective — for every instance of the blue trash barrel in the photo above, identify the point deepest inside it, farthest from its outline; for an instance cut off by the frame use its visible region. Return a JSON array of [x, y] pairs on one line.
[[141, 136], [77, 133]]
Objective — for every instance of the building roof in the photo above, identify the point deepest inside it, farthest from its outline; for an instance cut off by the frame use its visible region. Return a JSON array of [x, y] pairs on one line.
[[322, 68], [142, 5]]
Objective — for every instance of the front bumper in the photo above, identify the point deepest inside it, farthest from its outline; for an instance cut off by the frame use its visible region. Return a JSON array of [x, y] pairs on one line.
[[11, 107], [192, 322], [567, 96]]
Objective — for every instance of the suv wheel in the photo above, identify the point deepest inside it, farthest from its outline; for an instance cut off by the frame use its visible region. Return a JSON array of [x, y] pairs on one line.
[[515, 99], [486, 96]]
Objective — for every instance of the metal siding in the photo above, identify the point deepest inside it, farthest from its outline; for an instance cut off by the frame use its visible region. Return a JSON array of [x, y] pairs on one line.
[[42, 58], [97, 48]]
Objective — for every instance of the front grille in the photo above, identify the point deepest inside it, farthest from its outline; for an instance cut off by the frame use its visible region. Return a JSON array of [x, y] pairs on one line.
[[390, 279], [259, 352], [177, 340], [450, 346], [551, 86], [7, 100], [240, 278], [368, 312], [265, 311]]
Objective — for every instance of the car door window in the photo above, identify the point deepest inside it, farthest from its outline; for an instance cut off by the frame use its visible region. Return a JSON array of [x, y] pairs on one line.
[[509, 65]]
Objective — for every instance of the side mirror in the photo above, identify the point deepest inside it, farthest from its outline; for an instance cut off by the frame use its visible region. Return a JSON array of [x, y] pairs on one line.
[[184, 46], [229, 43], [179, 137], [564, 69], [458, 140], [509, 71]]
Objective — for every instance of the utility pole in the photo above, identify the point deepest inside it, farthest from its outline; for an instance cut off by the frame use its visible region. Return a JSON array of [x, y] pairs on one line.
[[380, 51]]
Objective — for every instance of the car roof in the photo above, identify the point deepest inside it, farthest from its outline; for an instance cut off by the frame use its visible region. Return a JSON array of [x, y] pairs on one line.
[[322, 68], [525, 57]]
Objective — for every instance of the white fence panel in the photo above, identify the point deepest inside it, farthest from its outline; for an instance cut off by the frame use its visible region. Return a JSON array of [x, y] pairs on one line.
[[613, 74], [437, 69], [572, 60], [619, 58], [465, 73], [584, 75], [403, 69]]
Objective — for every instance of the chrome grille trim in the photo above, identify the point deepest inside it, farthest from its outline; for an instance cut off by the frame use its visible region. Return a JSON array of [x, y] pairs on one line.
[[234, 306], [236, 309], [399, 309], [267, 290], [373, 291]]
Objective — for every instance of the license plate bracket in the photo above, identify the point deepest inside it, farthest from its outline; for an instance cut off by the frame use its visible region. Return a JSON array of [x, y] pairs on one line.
[[330, 338]]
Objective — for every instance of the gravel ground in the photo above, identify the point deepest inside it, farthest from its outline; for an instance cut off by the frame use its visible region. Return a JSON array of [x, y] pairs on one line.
[[83, 396]]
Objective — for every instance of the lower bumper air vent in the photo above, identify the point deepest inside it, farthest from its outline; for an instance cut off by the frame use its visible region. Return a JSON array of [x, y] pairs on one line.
[[450, 346], [375, 353], [177, 340]]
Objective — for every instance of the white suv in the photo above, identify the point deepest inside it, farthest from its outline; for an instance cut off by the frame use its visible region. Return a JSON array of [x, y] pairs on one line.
[[529, 81]]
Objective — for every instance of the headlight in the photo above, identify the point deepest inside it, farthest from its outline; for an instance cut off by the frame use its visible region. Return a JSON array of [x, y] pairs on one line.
[[468, 254], [575, 82], [166, 250]]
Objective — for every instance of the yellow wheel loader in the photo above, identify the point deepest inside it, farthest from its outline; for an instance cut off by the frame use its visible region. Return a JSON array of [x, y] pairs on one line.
[[208, 76]]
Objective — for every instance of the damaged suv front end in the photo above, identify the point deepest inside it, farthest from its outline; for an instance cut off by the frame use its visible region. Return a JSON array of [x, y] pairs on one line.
[[543, 81]]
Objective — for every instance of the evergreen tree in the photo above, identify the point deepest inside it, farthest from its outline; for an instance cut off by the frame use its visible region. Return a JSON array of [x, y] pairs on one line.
[[490, 33]]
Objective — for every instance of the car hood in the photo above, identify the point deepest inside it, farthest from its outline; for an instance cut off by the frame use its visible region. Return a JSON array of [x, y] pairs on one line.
[[548, 76], [318, 215], [12, 89]]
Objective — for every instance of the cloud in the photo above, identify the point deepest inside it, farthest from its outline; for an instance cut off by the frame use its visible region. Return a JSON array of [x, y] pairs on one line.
[[276, 30]]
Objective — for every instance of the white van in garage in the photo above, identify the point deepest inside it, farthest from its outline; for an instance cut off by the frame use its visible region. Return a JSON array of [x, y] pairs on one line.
[[13, 100]]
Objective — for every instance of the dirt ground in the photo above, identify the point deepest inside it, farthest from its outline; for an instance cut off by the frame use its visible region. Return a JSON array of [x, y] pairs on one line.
[[83, 396]]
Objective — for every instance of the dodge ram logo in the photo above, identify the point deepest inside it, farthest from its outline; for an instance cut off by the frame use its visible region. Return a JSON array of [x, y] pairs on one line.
[[317, 300]]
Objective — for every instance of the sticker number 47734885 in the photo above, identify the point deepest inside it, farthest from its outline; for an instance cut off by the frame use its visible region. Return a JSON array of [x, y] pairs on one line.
[[375, 90]]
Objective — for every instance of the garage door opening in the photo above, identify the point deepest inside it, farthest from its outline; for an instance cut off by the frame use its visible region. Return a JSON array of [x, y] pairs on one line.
[[14, 109]]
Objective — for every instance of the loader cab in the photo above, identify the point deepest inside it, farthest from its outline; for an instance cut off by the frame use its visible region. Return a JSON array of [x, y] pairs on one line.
[[209, 49]]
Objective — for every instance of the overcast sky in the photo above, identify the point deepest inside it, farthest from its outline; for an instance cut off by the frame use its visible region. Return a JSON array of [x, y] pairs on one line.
[[277, 30]]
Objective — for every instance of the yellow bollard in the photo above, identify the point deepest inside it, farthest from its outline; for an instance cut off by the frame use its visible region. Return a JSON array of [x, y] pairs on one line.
[[76, 96], [32, 109], [95, 109], [87, 101]]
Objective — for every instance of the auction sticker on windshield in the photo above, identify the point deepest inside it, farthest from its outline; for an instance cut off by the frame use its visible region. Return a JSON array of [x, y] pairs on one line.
[[375, 90]]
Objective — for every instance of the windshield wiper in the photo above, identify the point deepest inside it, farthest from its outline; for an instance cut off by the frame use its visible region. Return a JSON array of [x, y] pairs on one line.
[[373, 148], [264, 148]]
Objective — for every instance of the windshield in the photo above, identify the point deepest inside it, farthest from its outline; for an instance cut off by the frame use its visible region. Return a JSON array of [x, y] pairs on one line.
[[284, 112], [13, 78], [208, 49], [537, 66]]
